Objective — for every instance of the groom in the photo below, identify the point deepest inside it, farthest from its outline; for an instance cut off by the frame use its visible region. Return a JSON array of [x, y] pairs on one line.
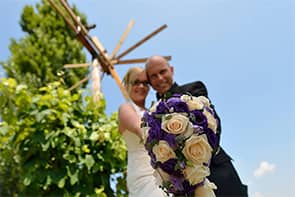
[[223, 173]]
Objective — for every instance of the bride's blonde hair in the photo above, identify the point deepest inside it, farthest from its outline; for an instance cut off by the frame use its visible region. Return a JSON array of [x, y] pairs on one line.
[[129, 76]]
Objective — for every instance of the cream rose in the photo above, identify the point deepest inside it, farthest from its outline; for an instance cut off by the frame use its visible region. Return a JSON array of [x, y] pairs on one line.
[[163, 151], [174, 123], [197, 149], [204, 100], [206, 190], [189, 130], [196, 173], [193, 102], [212, 123]]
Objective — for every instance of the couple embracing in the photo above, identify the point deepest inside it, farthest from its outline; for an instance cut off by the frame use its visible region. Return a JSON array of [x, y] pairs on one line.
[[140, 179]]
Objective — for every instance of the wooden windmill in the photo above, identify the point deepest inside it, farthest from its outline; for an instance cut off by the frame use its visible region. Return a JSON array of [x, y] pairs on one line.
[[101, 59]]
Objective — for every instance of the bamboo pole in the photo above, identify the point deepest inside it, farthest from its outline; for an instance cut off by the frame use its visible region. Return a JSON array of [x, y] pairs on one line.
[[141, 42], [122, 39], [77, 65], [102, 58], [73, 27], [114, 73], [83, 30], [135, 61], [79, 83], [97, 50], [60, 12]]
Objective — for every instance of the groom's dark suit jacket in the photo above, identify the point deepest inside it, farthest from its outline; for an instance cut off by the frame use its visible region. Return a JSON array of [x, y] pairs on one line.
[[223, 173]]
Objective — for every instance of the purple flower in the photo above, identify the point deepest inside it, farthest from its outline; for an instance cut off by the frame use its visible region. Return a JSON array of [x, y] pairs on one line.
[[210, 110], [177, 183], [170, 138], [182, 164], [169, 167], [198, 129], [151, 120], [161, 108], [198, 118], [177, 104], [154, 135], [189, 189]]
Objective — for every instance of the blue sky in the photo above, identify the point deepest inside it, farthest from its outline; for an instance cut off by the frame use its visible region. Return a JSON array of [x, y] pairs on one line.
[[244, 51]]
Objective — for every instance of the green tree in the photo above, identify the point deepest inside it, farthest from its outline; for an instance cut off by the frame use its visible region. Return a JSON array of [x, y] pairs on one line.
[[38, 57], [54, 142]]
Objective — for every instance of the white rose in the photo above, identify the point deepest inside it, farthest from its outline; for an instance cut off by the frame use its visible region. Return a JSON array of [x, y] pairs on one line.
[[196, 173], [174, 123], [212, 123], [189, 130], [163, 151], [206, 190], [197, 149], [193, 102], [204, 100]]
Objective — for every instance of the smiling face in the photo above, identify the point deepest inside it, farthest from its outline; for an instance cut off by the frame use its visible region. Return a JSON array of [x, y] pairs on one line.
[[160, 74], [137, 86]]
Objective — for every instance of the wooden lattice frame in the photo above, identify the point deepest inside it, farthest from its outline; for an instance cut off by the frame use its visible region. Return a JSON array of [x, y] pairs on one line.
[[96, 49]]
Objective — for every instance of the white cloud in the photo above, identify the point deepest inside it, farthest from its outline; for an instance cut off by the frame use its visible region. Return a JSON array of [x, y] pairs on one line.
[[264, 168], [258, 194]]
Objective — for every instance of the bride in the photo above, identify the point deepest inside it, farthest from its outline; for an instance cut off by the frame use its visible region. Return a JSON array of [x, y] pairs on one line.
[[140, 179]]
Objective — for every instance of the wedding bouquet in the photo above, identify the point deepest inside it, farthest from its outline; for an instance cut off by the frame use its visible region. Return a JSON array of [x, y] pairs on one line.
[[180, 135]]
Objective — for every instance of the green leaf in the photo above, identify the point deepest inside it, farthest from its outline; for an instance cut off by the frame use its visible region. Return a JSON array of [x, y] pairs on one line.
[[70, 157], [45, 146], [27, 181], [61, 182], [73, 177], [89, 161]]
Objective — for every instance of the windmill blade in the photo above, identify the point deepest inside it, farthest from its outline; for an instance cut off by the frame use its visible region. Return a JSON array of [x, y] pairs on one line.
[[77, 65], [122, 39], [79, 83], [141, 42], [136, 61]]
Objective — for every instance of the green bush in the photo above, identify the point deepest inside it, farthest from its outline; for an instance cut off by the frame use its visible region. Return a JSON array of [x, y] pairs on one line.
[[54, 143]]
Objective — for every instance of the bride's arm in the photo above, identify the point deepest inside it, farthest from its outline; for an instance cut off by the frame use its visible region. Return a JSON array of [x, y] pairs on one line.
[[129, 120]]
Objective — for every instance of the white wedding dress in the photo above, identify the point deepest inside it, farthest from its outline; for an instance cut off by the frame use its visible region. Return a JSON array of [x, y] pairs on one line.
[[140, 179]]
